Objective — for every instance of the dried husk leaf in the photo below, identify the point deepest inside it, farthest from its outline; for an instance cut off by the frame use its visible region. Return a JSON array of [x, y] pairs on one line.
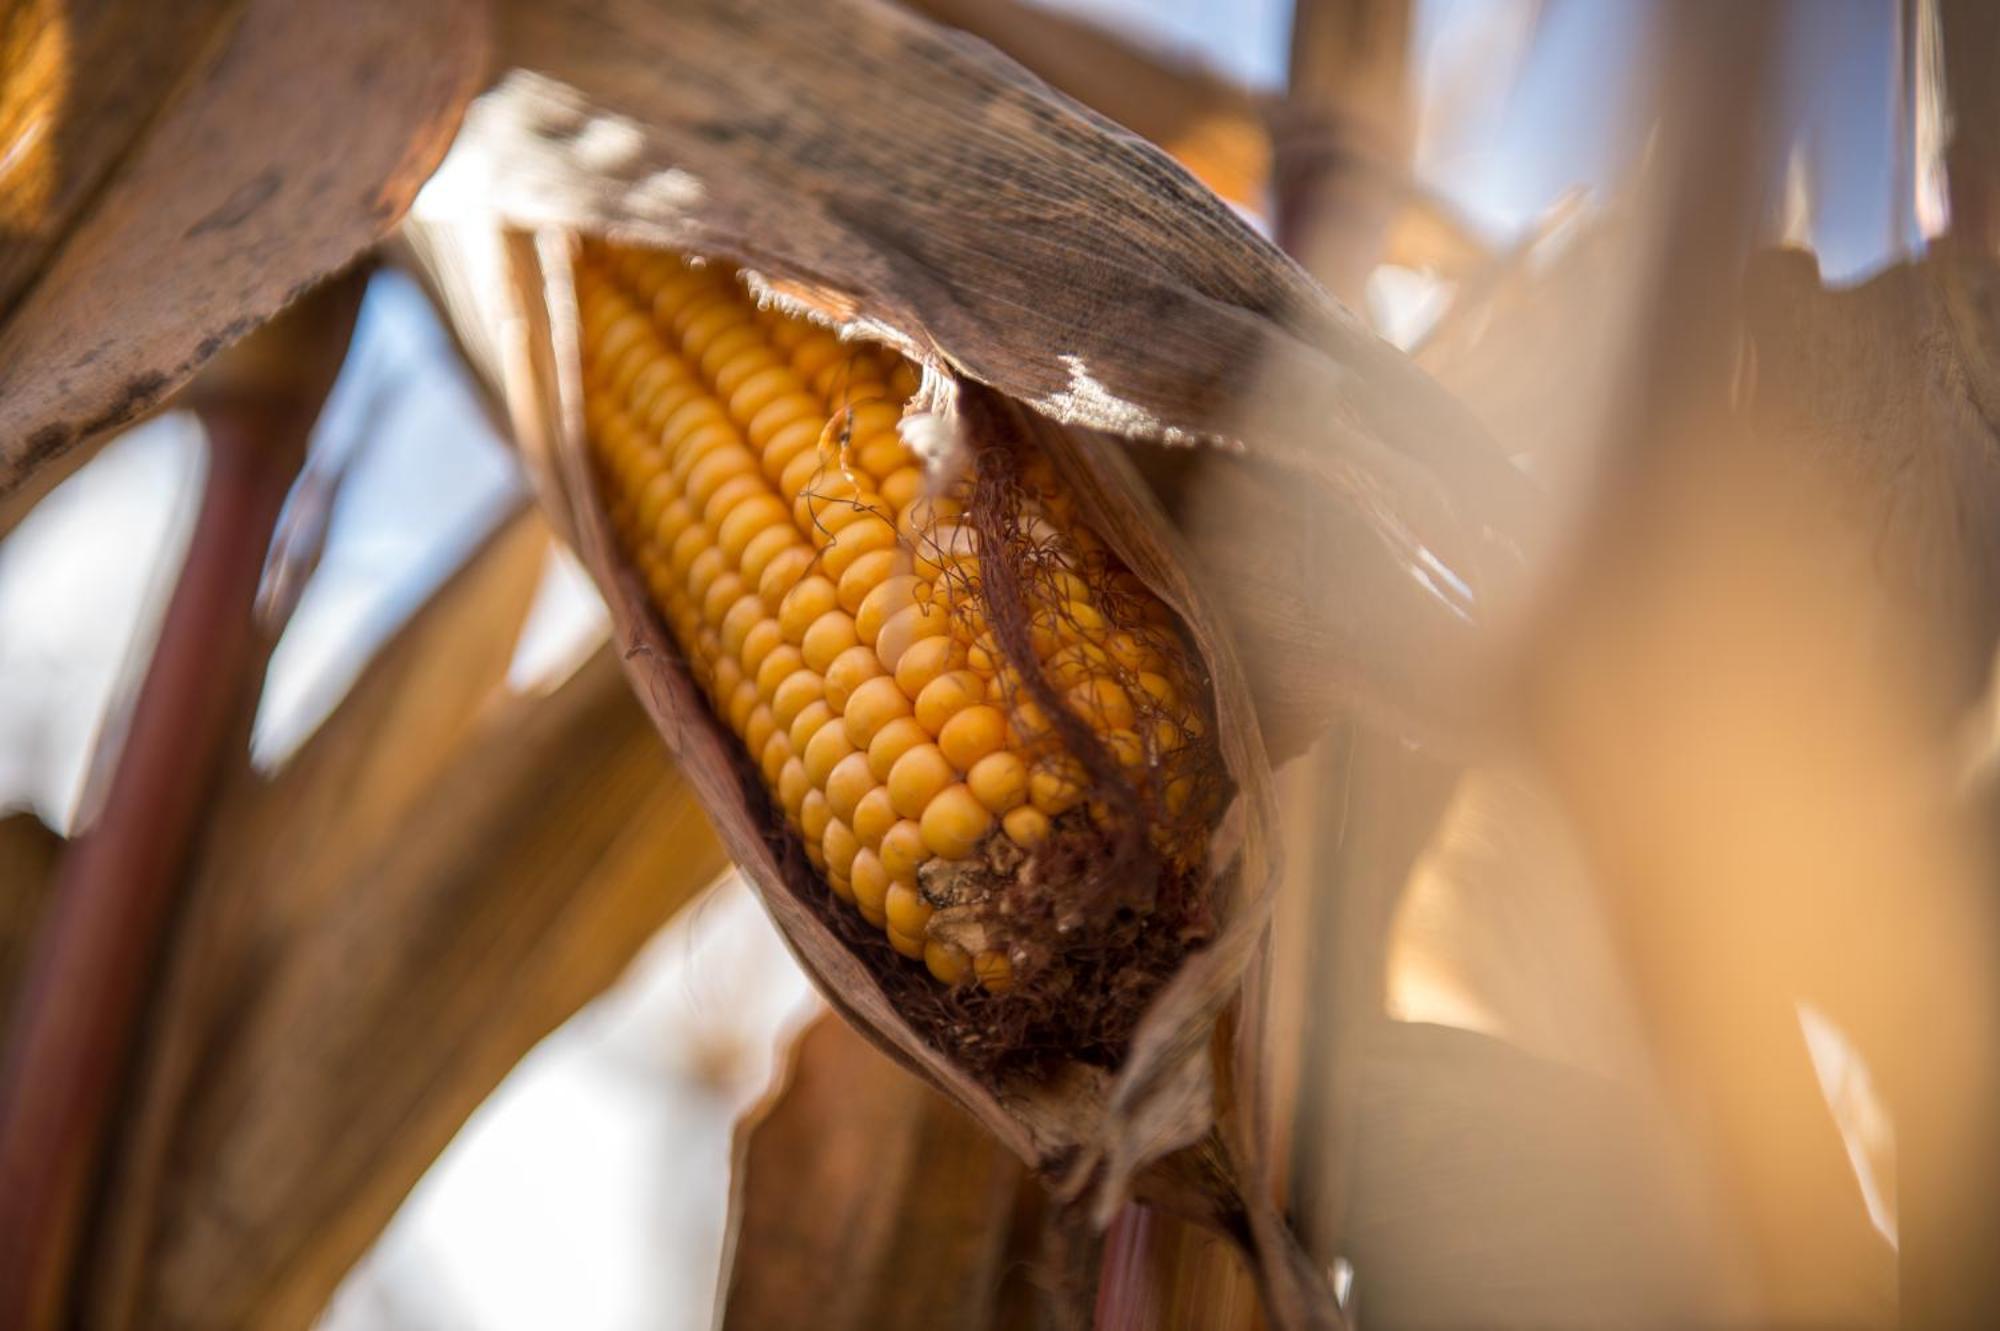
[[277, 139], [1152, 1129], [977, 220], [374, 936], [862, 1200]]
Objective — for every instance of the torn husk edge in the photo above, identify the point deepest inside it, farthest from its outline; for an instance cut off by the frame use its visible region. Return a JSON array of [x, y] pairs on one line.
[[1172, 1125]]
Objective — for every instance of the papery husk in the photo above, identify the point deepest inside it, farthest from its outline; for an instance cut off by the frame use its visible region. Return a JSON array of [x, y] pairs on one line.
[[246, 149], [921, 186], [1170, 1125]]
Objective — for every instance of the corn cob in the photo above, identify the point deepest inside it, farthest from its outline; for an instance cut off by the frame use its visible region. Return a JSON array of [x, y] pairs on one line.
[[826, 592]]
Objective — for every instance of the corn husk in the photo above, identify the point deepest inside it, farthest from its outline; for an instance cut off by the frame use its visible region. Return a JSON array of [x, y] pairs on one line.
[[179, 172], [1152, 1129], [917, 186]]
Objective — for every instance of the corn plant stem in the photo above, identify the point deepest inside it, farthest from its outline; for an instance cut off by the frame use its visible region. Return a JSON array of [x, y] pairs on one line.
[[1970, 30], [1948, 1131], [77, 1026], [1332, 42], [1343, 137]]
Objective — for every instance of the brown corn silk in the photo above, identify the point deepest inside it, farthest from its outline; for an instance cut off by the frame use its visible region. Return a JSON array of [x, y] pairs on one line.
[[985, 735]]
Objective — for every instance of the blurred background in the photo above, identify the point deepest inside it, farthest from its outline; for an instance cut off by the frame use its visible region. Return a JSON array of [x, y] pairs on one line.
[[590, 1190]]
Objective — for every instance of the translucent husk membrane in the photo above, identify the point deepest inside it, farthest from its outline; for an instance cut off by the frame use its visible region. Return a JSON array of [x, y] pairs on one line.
[[1053, 904]]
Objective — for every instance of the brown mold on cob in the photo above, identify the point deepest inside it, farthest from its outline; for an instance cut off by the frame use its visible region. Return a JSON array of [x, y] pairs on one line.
[[991, 743]]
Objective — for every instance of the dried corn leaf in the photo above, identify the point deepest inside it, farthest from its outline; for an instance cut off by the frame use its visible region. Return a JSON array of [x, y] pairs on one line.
[[917, 184], [253, 147], [375, 937], [1211, 126], [1758, 753], [862, 1200]]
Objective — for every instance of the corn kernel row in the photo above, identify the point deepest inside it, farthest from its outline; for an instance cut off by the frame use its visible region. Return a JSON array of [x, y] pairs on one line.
[[828, 601]]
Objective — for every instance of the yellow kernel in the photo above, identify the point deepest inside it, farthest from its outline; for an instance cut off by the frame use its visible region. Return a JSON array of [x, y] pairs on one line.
[[999, 780], [1028, 724], [765, 547], [728, 496], [887, 599], [903, 850], [1160, 689], [838, 844], [917, 777], [953, 822], [725, 675], [1055, 787], [792, 786], [814, 816], [947, 696], [764, 637], [652, 502], [911, 624], [830, 635], [781, 429], [778, 666], [804, 605], [971, 734], [1162, 736], [849, 780], [761, 726], [742, 702], [745, 614], [777, 751], [891, 742], [925, 512], [1027, 826], [873, 816], [869, 536], [1074, 665], [882, 455], [722, 594], [908, 913], [799, 480], [1103, 703], [848, 672], [747, 521], [947, 961], [944, 548], [925, 660], [867, 573], [1126, 748], [913, 948], [799, 690], [674, 519], [783, 572], [994, 971], [1081, 615], [902, 485], [873, 704], [1128, 652], [828, 745], [870, 882], [867, 421], [809, 722], [758, 389], [704, 568]]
